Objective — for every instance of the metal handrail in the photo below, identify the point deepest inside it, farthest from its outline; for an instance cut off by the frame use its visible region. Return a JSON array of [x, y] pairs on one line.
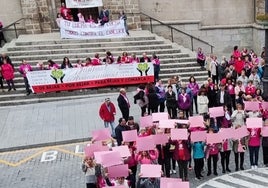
[[173, 28], [14, 24]]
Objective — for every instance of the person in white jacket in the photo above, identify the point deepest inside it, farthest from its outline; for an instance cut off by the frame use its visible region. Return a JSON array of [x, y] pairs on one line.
[[202, 102], [238, 116]]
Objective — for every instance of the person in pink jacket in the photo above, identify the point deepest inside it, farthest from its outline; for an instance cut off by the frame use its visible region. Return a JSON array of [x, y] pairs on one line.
[[254, 143], [147, 157], [7, 72], [23, 69]]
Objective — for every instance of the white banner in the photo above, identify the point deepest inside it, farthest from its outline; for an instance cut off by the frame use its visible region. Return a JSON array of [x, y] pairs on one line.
[[90, 77], [78, 30], [83, 3]]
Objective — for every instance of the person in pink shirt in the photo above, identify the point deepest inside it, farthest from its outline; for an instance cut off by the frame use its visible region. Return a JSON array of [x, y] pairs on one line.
[[90, 20], [254, 143], [96, 60], [236, 53], [147, 157], [125, 58], [134, 59], [250, 89], [52, 65], [231, 89], [23, 69], [156, 63], [212, 153], [7, 72]]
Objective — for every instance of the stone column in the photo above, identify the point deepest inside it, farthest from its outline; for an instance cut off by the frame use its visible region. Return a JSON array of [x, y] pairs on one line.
[[36, 16]]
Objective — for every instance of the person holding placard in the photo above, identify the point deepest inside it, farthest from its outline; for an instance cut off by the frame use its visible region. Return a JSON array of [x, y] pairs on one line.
[[164, 158], [212, 152], [238, 116], [147, 157], [265, 145], [198, 155], [119, 129], [182, 156], [254, 146], [225, 155], [226, 119], [239, 148], [92, 172]]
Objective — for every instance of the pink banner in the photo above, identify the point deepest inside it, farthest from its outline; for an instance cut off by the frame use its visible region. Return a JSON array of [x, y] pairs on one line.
[[165, 181], [123, 150], [160, 116], [197, 136], [227, 133], [160, 139], [90, 149], [216, 111], [264, 131], [110, 159], [179, 134], [150, 171], [145, 143], [213, 138], [101, 134], [251, 105], [129, 136], [240, 132], [146, 121], [196, 121], [168, 123], [118, 171], [178, 184], [254, 122]]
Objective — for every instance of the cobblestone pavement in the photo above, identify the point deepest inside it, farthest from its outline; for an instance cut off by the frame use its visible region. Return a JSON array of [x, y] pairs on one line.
[[60, 166]]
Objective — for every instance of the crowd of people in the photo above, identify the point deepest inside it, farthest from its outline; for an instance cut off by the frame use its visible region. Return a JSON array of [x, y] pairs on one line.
[[230, 87]]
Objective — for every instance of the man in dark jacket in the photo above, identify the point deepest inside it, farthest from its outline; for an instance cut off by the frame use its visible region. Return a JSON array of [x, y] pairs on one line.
[[119, 129], [223, 98], [123, 103]]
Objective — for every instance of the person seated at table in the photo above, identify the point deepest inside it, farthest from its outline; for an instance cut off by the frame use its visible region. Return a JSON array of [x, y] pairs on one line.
[[96, 60], [65, 12], [124, 58], [90, 19], [81, 18]]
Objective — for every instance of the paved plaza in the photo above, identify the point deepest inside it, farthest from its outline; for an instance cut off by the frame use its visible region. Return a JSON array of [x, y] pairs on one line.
[[42, 146]]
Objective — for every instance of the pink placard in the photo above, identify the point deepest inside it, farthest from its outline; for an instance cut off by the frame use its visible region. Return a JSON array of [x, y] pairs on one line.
[[179, 134], [101, 134], [167, 123], [216, 111], [196, 121], [160, 116], [118, 171], [254, 122], [110, 159], [197, 136], [165, 181], [178, 184], [145, 143], [213, 138], [90, 149], [264, 131], [150, 171], [123, 150], [129, 136], [97, 156], [146, 121], [251, 105], [227, 133], [160, 139], [241, 132], [264, 105]]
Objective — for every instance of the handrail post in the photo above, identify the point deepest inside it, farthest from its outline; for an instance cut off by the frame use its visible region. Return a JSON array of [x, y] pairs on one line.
[[211, 49], [151, 25], [172, 39], [16, 33], [192, 43]]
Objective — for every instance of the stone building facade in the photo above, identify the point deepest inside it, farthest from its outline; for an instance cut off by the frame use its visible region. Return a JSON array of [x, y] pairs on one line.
[[205, 19]]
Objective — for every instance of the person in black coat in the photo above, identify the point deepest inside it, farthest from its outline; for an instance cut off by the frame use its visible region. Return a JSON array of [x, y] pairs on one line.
[[153, 101], [171, 103], [122, 126], [223, 98], [123, 103]]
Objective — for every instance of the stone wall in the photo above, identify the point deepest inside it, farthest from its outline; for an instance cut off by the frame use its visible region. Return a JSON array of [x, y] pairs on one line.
[[37, 16], [130, 7]]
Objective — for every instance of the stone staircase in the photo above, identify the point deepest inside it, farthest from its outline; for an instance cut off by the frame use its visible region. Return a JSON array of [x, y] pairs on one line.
[[175, 60]]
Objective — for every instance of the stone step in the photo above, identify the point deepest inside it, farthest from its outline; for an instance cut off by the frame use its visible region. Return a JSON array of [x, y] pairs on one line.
[[84, 55], [83, 45], [72, 41], [183, 74], [180, 69]]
